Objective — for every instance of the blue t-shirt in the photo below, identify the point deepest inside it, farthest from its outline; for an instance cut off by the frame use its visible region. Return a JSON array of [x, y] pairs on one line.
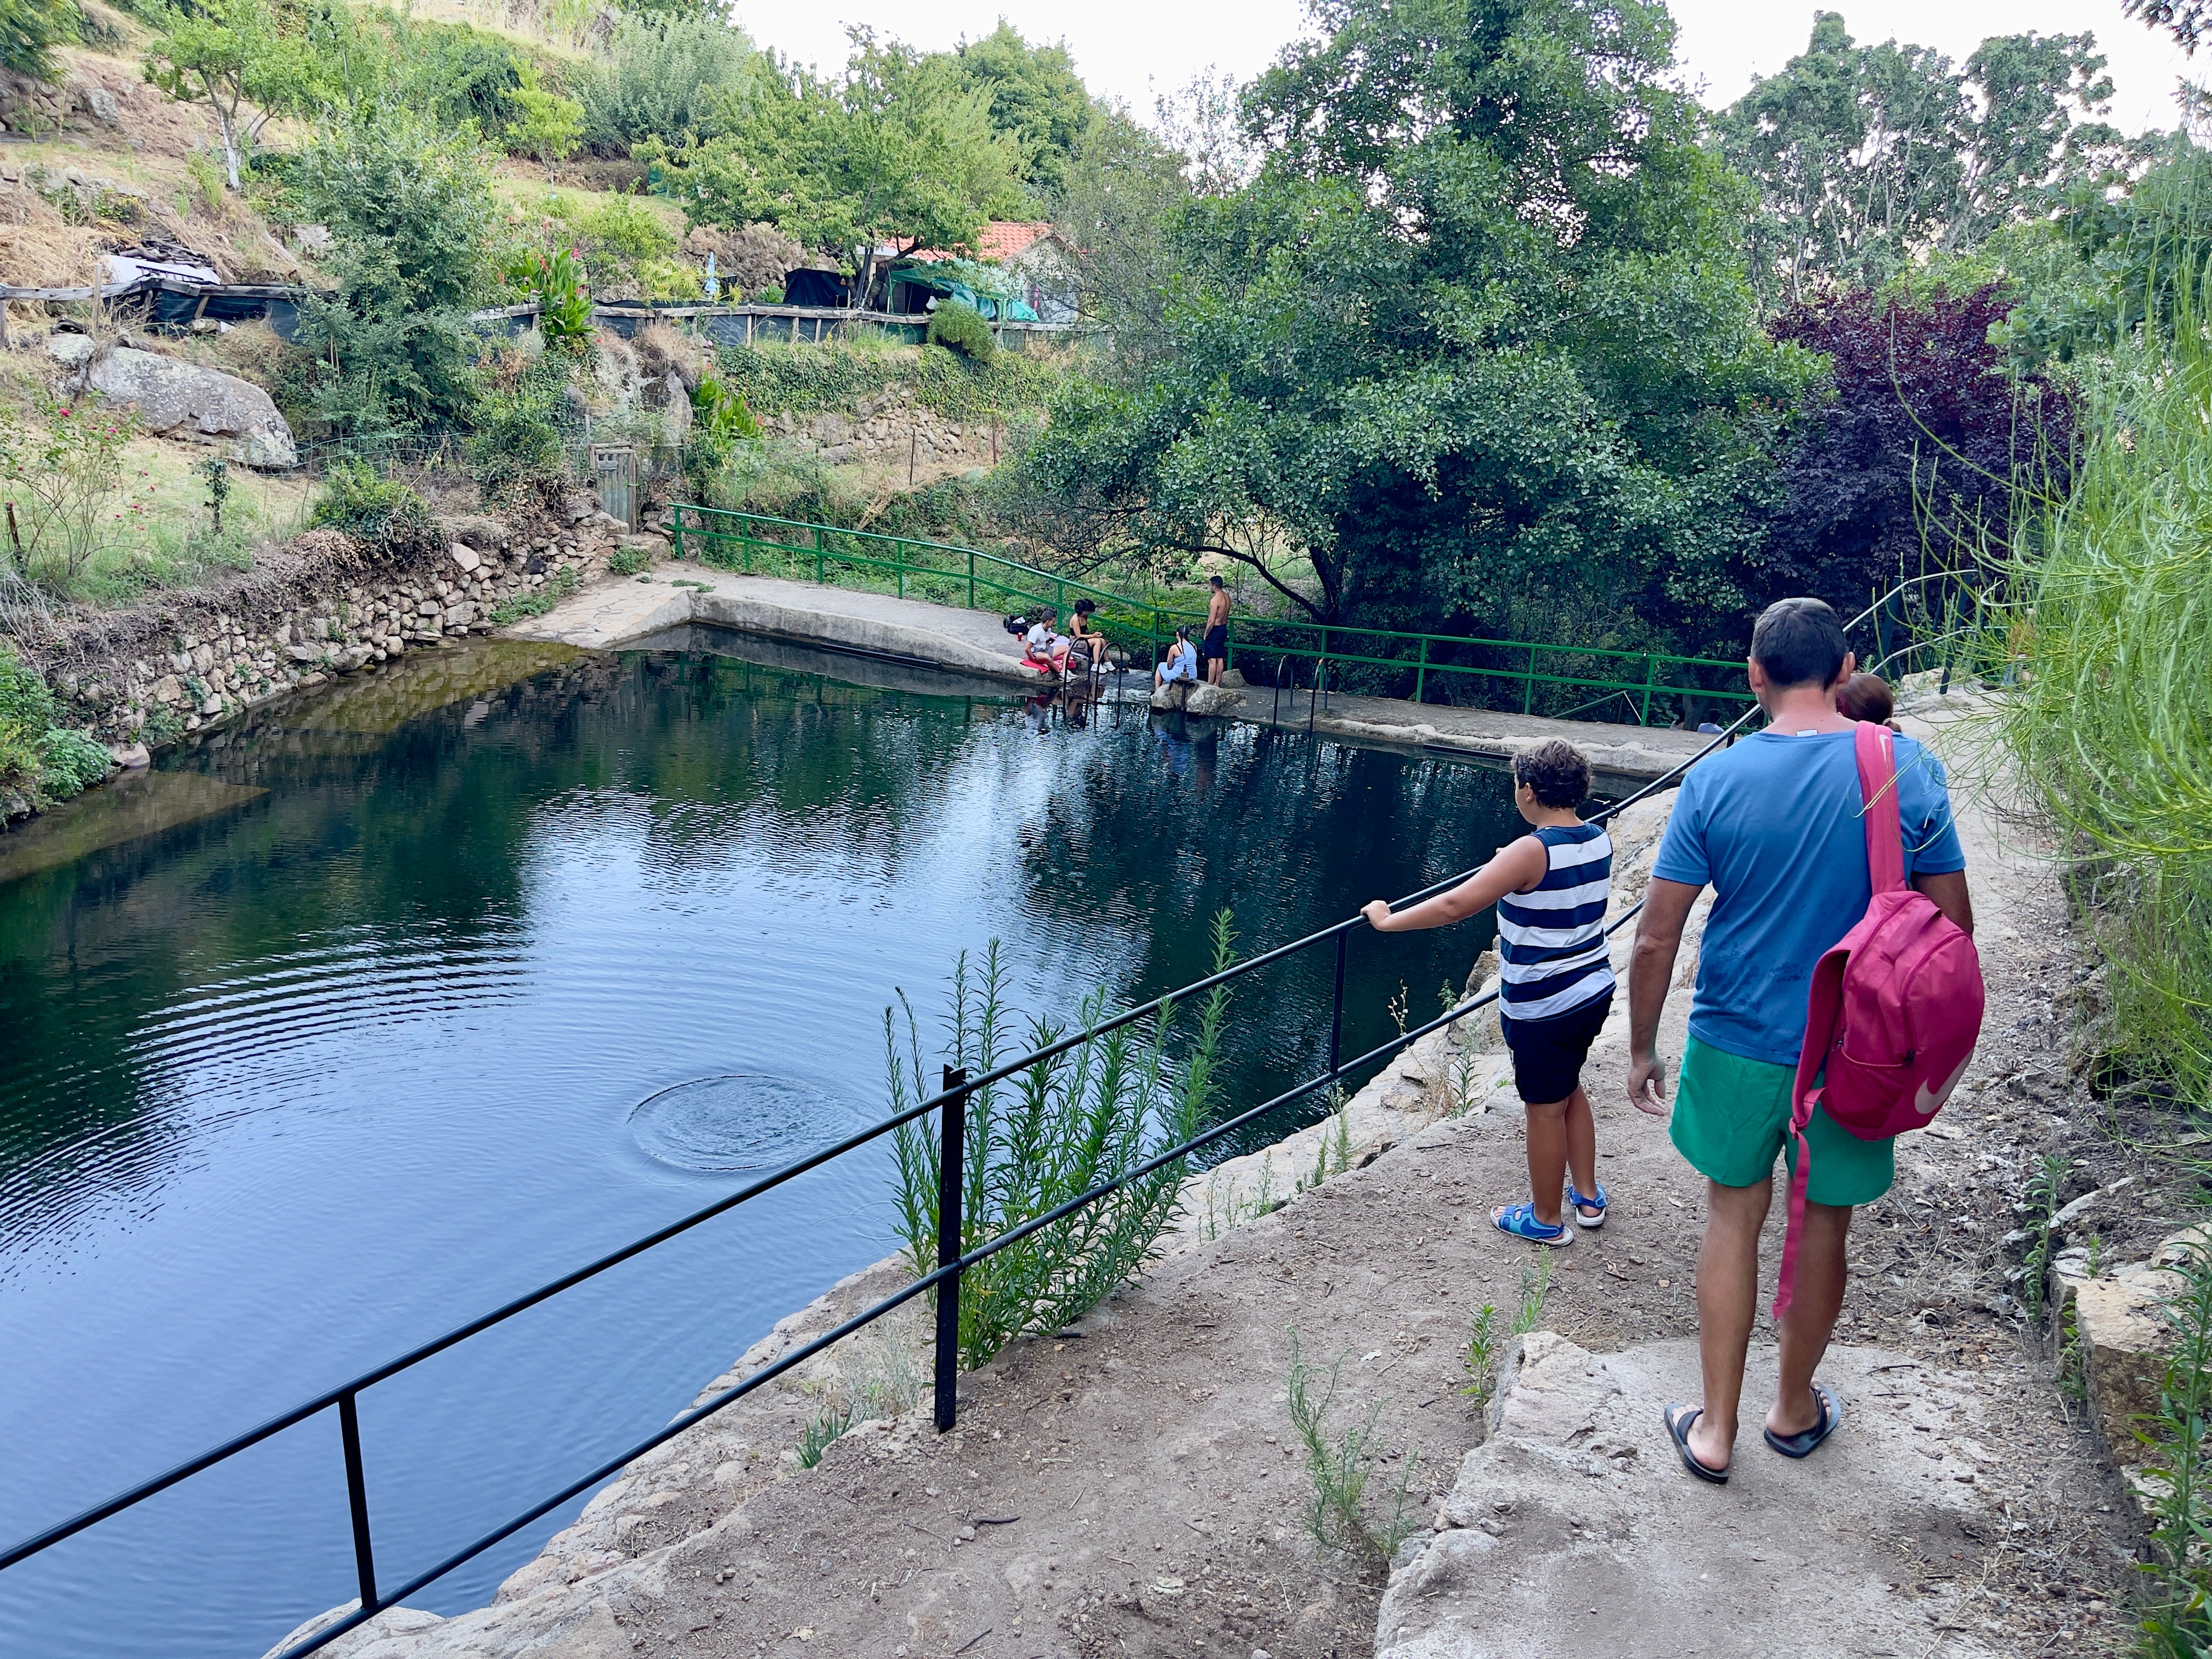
[[1773, 824]]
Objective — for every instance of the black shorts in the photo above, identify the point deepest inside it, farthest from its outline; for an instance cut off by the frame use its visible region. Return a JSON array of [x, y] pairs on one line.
[[1217, 642], [1548, 1053]]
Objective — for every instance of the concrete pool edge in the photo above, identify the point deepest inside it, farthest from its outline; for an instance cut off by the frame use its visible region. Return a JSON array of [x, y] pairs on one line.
[[618, 612]]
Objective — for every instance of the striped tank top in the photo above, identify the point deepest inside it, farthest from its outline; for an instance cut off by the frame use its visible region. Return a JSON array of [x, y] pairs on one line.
[[1552, 946]]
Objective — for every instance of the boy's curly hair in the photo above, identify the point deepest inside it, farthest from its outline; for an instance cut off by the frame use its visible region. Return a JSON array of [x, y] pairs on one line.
[[1556, 771]]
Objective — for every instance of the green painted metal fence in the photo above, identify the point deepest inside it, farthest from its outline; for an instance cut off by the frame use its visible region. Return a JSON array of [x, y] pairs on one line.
[[1623, 685]]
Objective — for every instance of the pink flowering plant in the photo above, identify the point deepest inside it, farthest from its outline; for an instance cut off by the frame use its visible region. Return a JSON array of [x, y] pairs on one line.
[[65, 487]]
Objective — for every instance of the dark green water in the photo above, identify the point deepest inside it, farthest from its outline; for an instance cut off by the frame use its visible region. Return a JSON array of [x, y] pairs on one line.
[[327, 1035]]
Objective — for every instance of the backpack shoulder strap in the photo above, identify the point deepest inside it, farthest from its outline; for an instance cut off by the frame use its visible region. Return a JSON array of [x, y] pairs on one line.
[[1884, 828]]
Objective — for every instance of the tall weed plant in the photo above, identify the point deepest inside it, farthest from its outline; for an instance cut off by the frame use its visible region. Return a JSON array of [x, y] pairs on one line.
[[1066, 1125], [2103, 647]]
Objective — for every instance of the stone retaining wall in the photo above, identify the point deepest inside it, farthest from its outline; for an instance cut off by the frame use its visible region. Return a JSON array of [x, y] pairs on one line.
[[325, 605], [889, 429]]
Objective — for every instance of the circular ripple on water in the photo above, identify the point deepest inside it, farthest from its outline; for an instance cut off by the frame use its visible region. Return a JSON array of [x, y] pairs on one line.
[[740, 1121]]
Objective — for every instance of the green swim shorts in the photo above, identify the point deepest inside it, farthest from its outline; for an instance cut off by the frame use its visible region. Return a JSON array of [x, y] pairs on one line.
[[1732, 1116]]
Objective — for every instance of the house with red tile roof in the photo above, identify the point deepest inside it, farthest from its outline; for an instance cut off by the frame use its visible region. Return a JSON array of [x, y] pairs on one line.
[[1033, 254]]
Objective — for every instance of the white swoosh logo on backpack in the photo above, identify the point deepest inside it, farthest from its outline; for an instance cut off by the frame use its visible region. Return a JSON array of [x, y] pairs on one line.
[[1927, 1105]]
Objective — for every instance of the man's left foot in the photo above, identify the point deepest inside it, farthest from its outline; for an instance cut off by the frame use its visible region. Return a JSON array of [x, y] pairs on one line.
[[1802, 1444]]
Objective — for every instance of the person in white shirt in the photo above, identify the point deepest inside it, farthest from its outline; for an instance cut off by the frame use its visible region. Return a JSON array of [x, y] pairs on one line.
[[1181, 662], [1047, 645]]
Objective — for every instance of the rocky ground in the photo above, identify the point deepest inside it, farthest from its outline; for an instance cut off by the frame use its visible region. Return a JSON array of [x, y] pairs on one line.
[[1133, 1485]]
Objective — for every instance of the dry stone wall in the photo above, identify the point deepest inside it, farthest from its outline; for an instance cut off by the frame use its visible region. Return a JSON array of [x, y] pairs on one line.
[[325, 606], [889, 429]]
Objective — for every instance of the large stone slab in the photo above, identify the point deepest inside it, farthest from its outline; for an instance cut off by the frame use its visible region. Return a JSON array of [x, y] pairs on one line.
[[1573, 1529]]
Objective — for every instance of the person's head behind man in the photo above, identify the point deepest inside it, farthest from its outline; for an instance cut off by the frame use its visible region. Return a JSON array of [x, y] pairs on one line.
[[1797, 644]]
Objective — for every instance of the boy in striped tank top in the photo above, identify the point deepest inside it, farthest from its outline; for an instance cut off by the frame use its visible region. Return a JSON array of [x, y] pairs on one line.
[[1550, 887]]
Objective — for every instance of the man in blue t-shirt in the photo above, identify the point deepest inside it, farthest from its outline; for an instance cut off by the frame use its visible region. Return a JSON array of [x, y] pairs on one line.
[[1773, 826]]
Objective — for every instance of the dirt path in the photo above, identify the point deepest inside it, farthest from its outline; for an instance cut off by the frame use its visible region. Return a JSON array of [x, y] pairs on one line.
[[1132, 1487]]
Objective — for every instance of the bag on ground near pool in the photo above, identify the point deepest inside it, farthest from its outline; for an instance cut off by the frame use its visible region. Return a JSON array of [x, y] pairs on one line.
[[1895, 1008]]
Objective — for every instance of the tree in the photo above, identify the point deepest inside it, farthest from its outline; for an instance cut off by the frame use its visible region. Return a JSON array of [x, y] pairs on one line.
[[897, 150], [545, 124], [1035, 97], [1910, 459], [1473, 352], [668, 79], [1118, 200], [247, 60], [410, 218], [1865, 156], [2186, 21], [30, 30]]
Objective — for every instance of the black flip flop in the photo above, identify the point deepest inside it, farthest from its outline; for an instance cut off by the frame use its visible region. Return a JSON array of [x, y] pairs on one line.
[[1802, 1444], [1678, 1429]]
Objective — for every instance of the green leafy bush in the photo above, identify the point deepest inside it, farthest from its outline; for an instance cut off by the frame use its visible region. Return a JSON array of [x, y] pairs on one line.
[[26, 715], [1065, 1125], [71, 763], [409, 211], [719, 421], [961, 328], [31, 30], [564, 310], [36, 756], [628, 561], [361, 503], [517, 438], [662, 78]]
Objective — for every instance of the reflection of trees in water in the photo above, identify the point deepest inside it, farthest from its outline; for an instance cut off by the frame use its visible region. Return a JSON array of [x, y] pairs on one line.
[[1291, 834], [401, 815], [398, 821]]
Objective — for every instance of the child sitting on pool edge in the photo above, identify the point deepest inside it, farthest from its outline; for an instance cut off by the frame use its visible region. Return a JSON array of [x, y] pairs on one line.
[[1550, 887]]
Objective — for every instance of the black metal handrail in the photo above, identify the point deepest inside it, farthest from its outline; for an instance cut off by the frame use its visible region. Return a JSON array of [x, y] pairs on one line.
[[950, 1103]]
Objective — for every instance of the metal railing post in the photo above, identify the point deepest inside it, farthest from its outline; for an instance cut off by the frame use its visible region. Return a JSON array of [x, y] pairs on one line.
[[1421, 674], [971, 578], [1528, 685], [1650, 669], [364, 1555], [898, 566], [818, 554], [1336, 1009], [951, 1149], [676, 530]]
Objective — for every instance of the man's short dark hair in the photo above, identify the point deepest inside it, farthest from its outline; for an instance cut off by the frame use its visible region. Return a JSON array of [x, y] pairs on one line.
[[1216, 581], [1798, 643], [1555, 772]]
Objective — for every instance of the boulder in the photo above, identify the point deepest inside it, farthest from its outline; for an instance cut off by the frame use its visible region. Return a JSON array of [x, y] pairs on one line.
[[1209, 700], [2122, 1335], [182, 400], [464, 555], [1174, 694], [70, 350], [484, 534]]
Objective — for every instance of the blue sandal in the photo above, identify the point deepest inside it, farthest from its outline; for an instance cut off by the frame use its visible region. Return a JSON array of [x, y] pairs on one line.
[[1580, 1203], [1520, 1221], [1803, 1443]]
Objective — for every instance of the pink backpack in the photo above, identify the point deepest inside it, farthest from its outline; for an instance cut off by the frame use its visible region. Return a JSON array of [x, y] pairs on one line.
[[1895, 1007]]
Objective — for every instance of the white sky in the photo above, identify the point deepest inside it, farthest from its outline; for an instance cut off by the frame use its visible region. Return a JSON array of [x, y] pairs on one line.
[[1131, 49]]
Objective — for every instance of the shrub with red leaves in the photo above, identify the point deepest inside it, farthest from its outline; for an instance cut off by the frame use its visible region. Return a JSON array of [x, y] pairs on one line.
[[1914, 464]]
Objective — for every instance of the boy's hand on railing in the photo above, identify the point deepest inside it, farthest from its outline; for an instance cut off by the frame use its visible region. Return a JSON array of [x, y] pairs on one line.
[[1377, 912]]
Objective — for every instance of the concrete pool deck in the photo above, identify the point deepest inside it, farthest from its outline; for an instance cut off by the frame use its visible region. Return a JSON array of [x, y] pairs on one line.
[[620, 612]]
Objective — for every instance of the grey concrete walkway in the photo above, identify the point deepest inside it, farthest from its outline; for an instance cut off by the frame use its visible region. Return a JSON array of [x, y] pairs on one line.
[[619, 612]]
